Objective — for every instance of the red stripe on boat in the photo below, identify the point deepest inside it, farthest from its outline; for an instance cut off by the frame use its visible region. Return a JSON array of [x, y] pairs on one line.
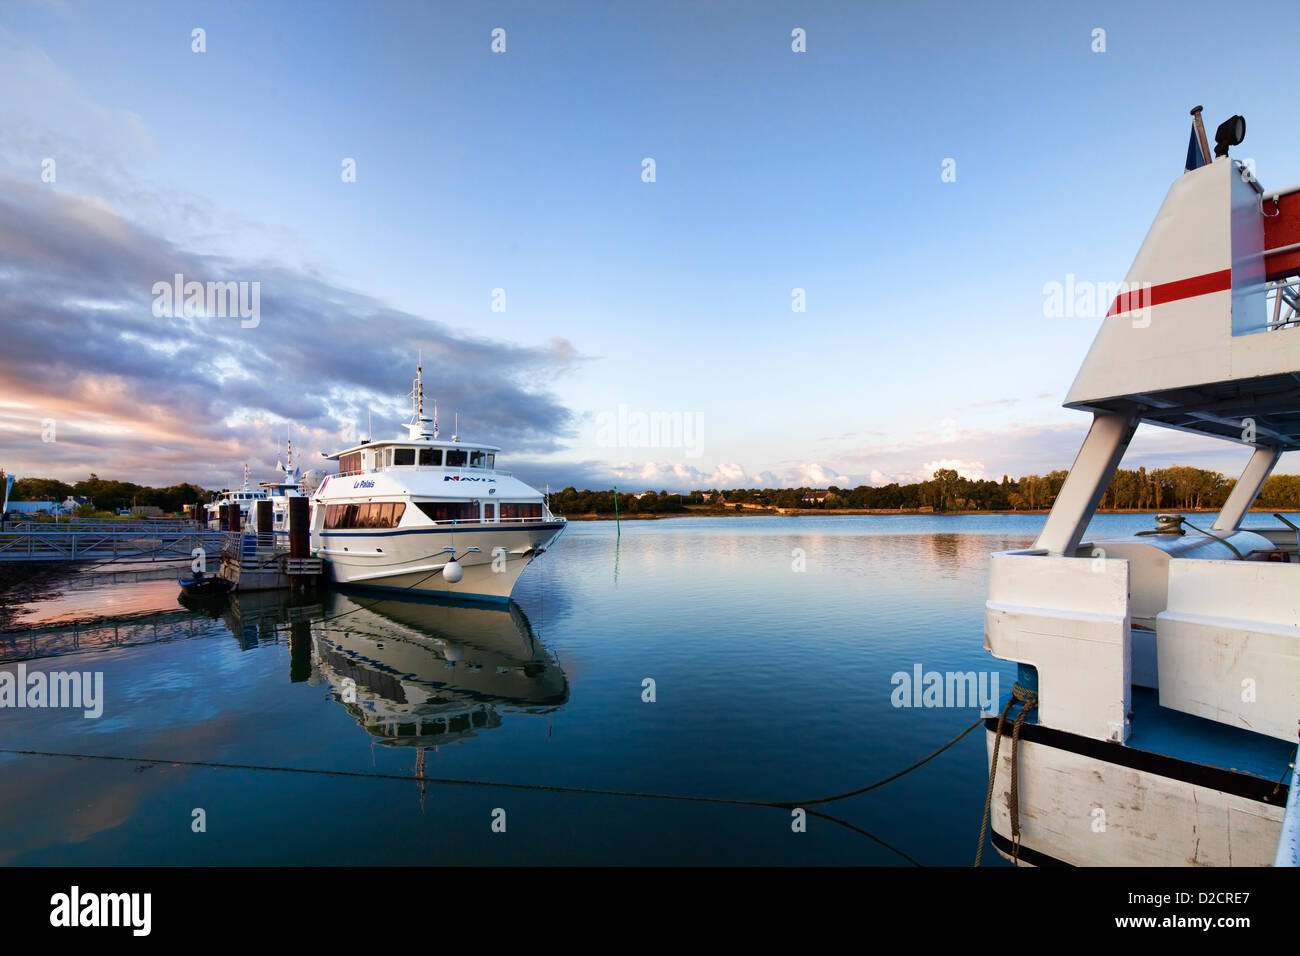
[[1171, 292]]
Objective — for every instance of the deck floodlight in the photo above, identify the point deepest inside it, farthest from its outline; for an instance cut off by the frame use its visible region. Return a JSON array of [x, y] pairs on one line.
[[1230, 133]]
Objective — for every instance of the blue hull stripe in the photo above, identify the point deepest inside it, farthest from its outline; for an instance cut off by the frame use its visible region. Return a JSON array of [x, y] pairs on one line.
[[412, 592], [446, 529]]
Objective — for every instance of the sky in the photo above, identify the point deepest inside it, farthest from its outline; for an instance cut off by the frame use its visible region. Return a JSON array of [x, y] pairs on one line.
[[921, 172]]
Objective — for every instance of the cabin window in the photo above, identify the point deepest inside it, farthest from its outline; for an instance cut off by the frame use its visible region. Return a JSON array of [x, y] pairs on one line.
[[490, 511], [388, 457], [455, 458], [373, 514], [404, 456], [491, 461], [477, 459], [431, 456], [449, 510], [515, 510], [350, 462]]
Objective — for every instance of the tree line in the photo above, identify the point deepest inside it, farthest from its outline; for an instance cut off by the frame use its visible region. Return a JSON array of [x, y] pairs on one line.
[[1178, 488], [107, 495]]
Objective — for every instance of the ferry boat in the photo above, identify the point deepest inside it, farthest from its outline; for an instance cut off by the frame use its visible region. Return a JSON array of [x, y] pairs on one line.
[[428, 515], [1154, 718], [245, 497]]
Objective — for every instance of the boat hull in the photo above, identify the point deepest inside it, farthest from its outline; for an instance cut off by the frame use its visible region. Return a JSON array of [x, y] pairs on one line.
[[413, 560], [1096, 803]]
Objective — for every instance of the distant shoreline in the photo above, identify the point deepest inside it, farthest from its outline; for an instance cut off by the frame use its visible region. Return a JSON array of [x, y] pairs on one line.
[[886, 512]]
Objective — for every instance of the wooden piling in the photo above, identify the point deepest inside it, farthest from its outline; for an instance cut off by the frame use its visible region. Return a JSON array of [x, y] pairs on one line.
[[299, 533], [264, 523]]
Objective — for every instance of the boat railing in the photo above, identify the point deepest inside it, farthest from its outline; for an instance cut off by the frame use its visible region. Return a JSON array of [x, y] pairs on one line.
[[1284, 310], [404, 468], [86, 525]]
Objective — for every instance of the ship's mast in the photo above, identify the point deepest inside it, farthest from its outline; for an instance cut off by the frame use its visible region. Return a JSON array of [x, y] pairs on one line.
[[417, 391], [419, 425]]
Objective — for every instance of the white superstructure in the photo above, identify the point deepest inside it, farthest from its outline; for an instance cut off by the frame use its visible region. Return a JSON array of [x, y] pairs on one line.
[[423, 514], [245, 497], [1160, 673]]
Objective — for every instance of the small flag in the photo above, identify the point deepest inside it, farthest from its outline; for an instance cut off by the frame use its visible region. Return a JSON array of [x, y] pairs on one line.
[[1195, 155]]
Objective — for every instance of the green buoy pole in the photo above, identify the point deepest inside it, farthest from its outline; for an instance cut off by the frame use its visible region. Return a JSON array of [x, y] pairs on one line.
[[617, 527]]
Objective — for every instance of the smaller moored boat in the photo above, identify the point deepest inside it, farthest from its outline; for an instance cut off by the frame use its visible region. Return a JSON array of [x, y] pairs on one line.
[[202, 584]]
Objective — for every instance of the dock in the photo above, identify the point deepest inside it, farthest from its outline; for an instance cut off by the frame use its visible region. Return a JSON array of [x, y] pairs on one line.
[[249, 560], [107, 541], [259, 562]]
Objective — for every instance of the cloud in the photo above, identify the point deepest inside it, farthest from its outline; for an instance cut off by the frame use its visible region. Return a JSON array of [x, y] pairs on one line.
[[973, 470], [175, 398]]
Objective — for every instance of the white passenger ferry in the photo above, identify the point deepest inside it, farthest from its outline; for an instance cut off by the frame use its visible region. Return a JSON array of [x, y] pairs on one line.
[[424, 514], [1158, 692]]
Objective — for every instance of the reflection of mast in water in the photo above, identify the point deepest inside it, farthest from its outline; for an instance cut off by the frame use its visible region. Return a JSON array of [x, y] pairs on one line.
[[420, 672]]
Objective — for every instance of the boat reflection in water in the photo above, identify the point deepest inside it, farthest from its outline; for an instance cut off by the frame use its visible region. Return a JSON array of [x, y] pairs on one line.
[[421, 672]]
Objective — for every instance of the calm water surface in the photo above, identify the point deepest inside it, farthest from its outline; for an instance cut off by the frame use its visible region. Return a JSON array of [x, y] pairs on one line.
[[770, 684]]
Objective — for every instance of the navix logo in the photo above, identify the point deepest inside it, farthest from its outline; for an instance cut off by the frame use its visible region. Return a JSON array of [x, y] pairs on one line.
[[468, 478], [951, 689], [83, 690], [210, 299], [74, 909]]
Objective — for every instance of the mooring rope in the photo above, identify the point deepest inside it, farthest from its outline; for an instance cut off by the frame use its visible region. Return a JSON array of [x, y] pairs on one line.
[[463, 782], [544, 788], [1030, 700]]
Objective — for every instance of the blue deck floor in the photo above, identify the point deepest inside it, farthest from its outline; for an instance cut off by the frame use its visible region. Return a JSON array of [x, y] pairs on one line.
[[1172, 733], [1175, 734]]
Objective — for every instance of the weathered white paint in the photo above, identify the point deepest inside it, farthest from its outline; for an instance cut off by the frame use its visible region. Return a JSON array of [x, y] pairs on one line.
[[1069, 618], [1229, 622]]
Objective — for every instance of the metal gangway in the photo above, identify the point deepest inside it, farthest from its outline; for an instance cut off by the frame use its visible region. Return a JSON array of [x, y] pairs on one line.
[[160, 540]]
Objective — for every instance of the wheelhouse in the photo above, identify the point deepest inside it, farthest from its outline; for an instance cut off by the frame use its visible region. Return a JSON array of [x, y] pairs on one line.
[[386, 455]]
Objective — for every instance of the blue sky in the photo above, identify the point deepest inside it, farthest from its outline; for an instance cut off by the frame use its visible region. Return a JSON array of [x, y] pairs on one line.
[[924, 339]]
